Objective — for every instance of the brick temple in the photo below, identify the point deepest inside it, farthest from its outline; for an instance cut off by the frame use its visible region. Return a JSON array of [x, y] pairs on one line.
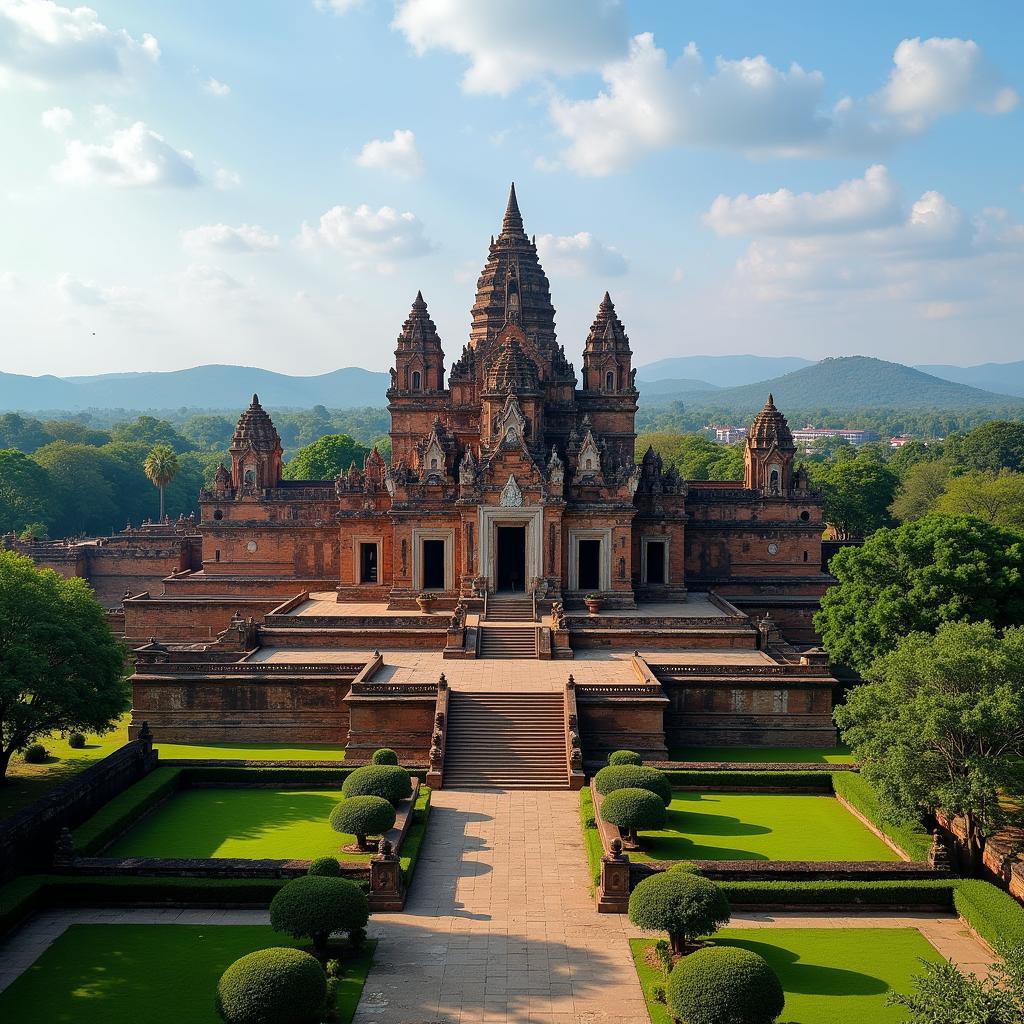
[[327, 610]]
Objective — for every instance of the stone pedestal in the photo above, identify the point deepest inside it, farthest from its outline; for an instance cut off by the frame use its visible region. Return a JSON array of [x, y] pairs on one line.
[[386, 890], [613, 888]]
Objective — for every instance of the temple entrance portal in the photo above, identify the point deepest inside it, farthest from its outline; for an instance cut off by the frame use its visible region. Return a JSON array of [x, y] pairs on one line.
[[512, 558], [590, 565], [433, 565]]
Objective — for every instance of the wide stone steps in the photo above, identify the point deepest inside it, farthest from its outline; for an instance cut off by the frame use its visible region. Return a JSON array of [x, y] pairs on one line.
[[508, 641], [509, 609], [505, 740]]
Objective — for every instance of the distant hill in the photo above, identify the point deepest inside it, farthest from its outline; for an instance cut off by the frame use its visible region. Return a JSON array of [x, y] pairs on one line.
[[721, 371], [200, 387], [1006, 378], [847, 382], [674, 387]]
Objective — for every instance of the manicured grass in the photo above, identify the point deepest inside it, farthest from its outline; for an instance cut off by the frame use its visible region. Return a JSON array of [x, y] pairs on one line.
[[828, 974], [251, 751], [760, 826], [767, 755], [162, 974]]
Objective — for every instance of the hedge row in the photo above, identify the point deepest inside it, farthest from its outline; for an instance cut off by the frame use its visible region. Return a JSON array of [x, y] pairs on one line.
[[995, 915], [224, 775], [911, 837], [125, 809], [413, 841], [591, 835], [909, 892], [816, 780]]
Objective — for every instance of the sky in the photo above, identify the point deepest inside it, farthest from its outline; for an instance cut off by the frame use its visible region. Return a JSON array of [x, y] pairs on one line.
[[269, 182]]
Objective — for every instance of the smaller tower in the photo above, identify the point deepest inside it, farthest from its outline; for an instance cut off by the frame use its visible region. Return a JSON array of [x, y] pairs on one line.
[[255, 451], [607, 357], [768, 452], [419, 358]]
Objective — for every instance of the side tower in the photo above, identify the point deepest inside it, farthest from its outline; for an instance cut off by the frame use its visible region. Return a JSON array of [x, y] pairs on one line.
[[768, 452], [255, 451]]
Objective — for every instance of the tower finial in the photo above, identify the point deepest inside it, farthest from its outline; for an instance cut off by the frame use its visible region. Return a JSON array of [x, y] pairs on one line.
[[255, 399], [771, 400], [512, 223]]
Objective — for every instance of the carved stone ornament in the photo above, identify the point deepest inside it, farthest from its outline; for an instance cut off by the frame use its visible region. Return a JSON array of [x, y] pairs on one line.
[[511, 496]]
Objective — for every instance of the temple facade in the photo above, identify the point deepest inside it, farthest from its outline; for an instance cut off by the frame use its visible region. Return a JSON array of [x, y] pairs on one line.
[[510, 473]]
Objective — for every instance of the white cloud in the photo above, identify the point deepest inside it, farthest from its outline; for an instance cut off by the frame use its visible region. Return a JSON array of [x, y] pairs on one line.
[[367, 236], [508, 44], [122, 301], [223, 237], [42, 43], [104, 116], [57, 119], [580, 255], [208, 282], [871, 201], [9, 281], [398, 155], [135, 156], [749, 105], [216, 88], [225, 179]]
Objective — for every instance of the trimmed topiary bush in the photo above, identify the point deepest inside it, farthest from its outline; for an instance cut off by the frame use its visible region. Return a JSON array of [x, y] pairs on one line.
[[633, 776], [624, 757], [361, 816], [316, 907], [325, 867], [632, 810], [35, 753], [724, 985], [681, 904], [272, 986], [76, 741], [384, 756], [383, 780], [686, 867]]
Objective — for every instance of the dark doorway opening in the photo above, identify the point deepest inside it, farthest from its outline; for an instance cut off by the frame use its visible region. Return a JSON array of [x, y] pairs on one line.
[[512, 558], [656, 561], [589, 565], [367, 563], [433, 565]]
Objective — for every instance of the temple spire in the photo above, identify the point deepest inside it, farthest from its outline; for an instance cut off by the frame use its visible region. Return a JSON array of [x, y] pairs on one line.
[[512, 223]]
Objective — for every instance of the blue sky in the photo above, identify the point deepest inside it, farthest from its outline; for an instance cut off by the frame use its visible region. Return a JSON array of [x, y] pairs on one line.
[[269, 182]]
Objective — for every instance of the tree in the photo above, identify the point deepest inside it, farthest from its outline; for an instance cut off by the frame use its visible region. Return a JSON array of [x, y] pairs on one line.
[[61, 669], [632, 810], [272, 986], [998, 498], [149, 431], [325, 458], [161, 467], [22, 432], [25, 492], [915, 577], [992, 446], [940, 724], [696, 456], [725, 985], [921, 489], [84, 499], [317, 906], [361, 816], [858, 492], [682, 904], [208, 431], [384, 780]]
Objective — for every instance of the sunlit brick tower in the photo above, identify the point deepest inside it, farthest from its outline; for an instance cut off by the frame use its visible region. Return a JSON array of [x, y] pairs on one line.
[[255, 451], [768, 452]]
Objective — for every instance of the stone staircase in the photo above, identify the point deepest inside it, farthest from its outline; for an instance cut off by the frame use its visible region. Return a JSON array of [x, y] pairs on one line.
[[507, 641], [507, 740], [509, 608]]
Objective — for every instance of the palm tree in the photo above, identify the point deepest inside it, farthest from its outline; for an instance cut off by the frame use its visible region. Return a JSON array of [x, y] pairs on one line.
[[161, 467]]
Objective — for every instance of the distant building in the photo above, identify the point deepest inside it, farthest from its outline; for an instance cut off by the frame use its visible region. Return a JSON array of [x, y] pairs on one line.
[[805, 436], [899, 442], [727, 435]]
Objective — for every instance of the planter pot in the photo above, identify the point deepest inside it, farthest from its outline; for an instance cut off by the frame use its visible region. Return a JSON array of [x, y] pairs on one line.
[[593, 604], [426, 605]]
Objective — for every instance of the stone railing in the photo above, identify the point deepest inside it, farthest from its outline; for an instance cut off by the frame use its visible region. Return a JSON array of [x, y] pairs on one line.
[[394, 689], [671, 672], [573, 741], [254, 669], [600, 690], [435, 773]]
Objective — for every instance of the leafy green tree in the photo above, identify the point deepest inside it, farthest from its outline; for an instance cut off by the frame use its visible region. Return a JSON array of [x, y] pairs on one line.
[[22, 432], [150, 431], [912, 454], [940, 724], [858, 492], [208, 431], [915, 577], [25, 492], [61, 669], [76, 432], [921, 489], [85, 500], [997, 498], [326, 458], [161, 467], [694, 455], [992, 446]]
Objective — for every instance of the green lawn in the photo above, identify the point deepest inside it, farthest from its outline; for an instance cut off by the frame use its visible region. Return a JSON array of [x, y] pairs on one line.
[[251, 751], [830, 975], [161, 974], [760, 826], [768, 755]]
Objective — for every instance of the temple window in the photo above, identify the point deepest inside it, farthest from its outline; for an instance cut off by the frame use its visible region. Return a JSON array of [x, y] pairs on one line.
[[609, 381], [433, 463], [250, 476], [415, 380]]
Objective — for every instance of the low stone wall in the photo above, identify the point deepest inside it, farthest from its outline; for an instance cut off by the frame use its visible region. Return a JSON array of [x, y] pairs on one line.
[[28, 838]]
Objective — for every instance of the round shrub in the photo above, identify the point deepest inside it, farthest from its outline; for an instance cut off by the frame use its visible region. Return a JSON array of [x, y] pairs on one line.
[[315, 907], [624, 757], [681, 904], [384, 780], [361, 816], [633, 809], [633, 776], [76, 741], [272, 986], [35, 753], [325, 867], [724, 985], [384, 756], [686, 867]]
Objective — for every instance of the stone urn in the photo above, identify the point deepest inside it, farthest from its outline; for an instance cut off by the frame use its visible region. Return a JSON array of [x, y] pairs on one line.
[[426, 603], [593, 603]]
